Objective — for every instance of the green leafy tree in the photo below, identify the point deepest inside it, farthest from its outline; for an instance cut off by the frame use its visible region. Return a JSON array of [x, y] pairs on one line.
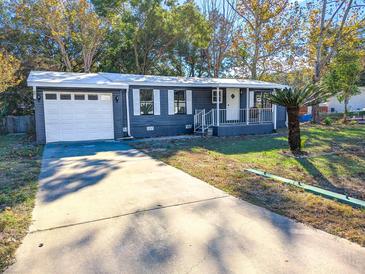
[[152, 36], [343, 77], [9, 67], [293, 100]]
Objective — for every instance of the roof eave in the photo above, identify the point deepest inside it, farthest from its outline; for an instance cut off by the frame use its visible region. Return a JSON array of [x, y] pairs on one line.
[[72, 85], [206, 85]]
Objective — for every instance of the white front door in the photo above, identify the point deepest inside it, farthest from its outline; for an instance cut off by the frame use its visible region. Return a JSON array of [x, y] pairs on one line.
[[233, 103], [71, 116]]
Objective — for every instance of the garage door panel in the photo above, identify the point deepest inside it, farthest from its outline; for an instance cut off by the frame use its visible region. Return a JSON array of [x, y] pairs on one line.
[[77, 120]]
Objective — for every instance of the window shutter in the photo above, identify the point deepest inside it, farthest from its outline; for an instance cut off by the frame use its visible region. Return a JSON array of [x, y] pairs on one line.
[[189, 102], [136, 102], [170, 99], [252, 95], [156, 102]]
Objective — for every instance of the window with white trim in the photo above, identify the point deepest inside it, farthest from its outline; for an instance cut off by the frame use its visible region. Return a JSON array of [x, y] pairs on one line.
[[214, 96], [261, 100], [179, 102], [146, 101]]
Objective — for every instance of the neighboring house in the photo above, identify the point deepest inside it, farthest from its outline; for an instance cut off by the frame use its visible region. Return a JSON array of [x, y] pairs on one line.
[[356, 103], [80, 106]]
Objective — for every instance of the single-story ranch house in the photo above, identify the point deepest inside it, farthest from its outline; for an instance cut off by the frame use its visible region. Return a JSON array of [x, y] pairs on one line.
[[92, 106]]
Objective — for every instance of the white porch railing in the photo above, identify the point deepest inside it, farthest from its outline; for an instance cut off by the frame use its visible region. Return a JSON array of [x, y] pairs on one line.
[[239, 116], [203, 120]]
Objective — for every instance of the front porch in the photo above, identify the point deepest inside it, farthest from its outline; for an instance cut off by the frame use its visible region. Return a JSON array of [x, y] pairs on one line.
[[229, 122], [237, 111]]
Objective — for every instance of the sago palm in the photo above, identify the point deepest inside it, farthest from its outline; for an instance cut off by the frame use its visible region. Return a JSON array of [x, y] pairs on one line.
[[293, 99]]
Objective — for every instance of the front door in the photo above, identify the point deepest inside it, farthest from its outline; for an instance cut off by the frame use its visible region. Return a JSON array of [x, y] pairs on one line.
[[233, 103]]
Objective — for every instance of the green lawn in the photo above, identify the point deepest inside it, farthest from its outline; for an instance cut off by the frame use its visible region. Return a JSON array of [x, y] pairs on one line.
[[19, 169], [338, 164]]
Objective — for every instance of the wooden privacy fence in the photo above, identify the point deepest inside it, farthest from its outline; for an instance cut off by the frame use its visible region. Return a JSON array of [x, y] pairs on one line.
[[17, 124]]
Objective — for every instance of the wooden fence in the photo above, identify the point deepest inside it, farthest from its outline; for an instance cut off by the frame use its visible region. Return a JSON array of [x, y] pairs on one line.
[[17, 124]]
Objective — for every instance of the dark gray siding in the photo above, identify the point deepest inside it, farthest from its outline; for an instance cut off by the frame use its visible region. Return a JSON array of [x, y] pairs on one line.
[[39, 118], [228, 130], [165, 124], [281, 117], [118, 113], [243, 97]]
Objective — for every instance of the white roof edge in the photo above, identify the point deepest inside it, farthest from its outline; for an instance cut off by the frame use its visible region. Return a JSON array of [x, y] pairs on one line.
[[221, 85], [104, 80], [70, 85]]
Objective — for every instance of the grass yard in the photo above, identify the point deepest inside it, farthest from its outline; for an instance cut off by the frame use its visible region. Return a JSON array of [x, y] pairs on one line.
[[19, 169], [337, 163]]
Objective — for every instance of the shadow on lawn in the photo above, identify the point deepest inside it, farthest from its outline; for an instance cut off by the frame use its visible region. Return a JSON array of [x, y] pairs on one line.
[[318, 175]]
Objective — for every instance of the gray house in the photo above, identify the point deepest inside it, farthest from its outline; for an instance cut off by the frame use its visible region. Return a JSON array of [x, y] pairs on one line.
[[92, 106]]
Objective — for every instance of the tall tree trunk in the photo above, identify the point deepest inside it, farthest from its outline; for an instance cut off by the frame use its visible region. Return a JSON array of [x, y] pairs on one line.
[[318, 63], [294, 130], [346, 101]]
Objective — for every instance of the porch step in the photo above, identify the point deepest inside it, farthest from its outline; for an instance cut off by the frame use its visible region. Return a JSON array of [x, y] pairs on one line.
[[207, 132]]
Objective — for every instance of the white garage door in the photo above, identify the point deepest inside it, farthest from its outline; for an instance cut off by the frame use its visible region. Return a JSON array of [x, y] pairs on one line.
[[78, 116]]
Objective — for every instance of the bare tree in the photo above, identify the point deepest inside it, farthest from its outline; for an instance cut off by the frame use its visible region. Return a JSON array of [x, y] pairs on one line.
[[223, 20], [72, 25], [270, 30], [331, 22]]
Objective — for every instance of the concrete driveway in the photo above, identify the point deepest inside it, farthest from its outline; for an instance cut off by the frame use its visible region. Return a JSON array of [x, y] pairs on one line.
[[106, 208]]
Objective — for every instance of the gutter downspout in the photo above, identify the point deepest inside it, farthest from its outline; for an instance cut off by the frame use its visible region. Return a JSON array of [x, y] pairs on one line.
[[127, 108]]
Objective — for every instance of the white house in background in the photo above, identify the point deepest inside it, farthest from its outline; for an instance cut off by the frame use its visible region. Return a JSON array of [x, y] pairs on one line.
[[356, 103]]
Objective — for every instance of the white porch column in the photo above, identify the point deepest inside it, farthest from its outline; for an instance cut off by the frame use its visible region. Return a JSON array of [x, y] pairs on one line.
[[217, 104], [274, 111], [247, 105]]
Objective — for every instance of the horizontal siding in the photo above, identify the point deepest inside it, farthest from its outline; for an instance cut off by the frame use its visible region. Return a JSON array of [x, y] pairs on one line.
[[39, 119], [281, 117], [164, 124], [242, 130]]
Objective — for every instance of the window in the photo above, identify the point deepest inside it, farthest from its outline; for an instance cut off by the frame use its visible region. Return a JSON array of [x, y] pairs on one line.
[[79, 97], [179, 102], [51, 96], [65, 96], [260, 99], [146, 101], [92, 97], [214, 96]]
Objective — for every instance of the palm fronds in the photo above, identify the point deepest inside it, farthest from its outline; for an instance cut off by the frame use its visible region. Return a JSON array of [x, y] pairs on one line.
[[308, 96]]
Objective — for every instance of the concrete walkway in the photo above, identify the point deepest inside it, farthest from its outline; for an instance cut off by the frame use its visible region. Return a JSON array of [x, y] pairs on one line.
[[106, 208]]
